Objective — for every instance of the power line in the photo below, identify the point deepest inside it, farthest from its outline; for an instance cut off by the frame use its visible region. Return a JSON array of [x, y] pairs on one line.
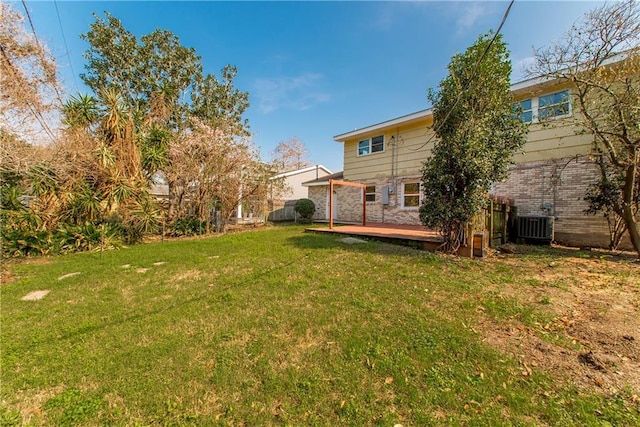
[[32, 107], [64, 39], [40, 50], [473, 75]]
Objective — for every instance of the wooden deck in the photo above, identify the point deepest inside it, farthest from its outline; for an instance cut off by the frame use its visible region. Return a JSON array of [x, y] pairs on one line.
[[409, 235], [415, 236]]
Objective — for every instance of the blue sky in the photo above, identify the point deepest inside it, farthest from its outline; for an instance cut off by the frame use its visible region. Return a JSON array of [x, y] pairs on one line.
[[317, 69]]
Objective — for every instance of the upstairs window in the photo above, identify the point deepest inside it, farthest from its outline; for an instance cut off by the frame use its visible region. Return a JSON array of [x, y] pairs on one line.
[[554, 105], [372, 145], [524, 109]]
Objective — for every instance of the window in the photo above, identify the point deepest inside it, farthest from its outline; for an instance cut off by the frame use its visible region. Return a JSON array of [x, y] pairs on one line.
[[554, 105], [524, 109], [411, 195], [370, 193], [373, 145]]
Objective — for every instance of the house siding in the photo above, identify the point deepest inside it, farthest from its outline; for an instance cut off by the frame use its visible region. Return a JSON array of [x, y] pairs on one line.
[[411, 145], [550, 175]]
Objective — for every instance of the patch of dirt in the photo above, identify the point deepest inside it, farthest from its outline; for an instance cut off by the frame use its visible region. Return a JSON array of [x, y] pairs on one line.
[[7, 274], [593, 337], [30, 405]]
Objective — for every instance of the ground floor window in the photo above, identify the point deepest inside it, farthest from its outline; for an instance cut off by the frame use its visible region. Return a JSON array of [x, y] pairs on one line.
[[411, 195], [370, 192]]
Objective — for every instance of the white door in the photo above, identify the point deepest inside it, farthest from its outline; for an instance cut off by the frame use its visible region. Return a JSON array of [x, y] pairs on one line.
[[335, 205]]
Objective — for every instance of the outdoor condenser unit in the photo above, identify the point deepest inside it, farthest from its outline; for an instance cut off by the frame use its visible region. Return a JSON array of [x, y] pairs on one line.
[[535, 227]]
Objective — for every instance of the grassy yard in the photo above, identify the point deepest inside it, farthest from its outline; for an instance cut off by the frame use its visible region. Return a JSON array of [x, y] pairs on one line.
[[283, 327]]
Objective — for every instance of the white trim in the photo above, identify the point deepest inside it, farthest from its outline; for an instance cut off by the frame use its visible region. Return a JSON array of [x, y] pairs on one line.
[[315, 184], [402, 194], [375, 194], [535, 81], [299, 171], [370, 140], [386, 124], [535, 107], [335, 205]]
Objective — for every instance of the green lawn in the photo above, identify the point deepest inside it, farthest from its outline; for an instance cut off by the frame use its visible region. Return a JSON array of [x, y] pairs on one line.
[[273, 327]]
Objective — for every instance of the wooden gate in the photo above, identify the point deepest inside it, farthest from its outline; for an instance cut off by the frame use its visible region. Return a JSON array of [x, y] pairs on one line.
[[496, 221]]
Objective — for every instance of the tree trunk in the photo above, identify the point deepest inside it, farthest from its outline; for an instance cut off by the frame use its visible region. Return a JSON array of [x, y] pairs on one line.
[[175, 199], [627, 207]]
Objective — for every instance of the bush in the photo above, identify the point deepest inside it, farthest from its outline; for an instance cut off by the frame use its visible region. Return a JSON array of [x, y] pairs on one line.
[[305, 208], [187, 226]]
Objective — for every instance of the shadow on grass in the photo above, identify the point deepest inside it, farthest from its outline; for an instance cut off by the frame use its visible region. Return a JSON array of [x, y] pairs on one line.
[[559, 252], [362, 244], [328, 241]]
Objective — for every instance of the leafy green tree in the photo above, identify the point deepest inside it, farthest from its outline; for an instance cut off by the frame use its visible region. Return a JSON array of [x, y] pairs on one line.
[[600, 58], [164, 92], [477, 137]]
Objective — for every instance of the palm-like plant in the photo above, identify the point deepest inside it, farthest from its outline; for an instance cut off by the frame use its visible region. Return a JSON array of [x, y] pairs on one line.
[[80, 111]]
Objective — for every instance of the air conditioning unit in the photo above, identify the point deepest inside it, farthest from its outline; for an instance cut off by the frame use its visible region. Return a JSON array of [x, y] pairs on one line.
[[535, 227]]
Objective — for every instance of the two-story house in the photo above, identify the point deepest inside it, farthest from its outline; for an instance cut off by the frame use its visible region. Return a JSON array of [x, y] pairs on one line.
[[548, 178]]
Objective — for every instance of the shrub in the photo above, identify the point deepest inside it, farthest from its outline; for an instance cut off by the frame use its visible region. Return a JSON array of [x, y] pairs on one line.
[[305, 208], [187, 226]]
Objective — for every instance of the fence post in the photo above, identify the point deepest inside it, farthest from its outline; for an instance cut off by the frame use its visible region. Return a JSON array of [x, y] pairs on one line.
[[491, 222], [101, 239], [505, 229]]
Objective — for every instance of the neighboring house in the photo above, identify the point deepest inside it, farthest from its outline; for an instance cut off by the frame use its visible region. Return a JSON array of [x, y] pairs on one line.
[[159, 188], [281, 205], [549, 178]]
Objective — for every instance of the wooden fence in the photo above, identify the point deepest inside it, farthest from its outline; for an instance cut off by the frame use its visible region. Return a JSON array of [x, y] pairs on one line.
[[496, 221]]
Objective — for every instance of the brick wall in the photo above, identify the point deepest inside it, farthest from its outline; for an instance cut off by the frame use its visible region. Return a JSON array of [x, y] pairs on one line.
[[348, 202], [392, 213], [557, 188], [318, 195]]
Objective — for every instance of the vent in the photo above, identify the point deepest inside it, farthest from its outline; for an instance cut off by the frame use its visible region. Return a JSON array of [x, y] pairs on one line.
[[535, 227]]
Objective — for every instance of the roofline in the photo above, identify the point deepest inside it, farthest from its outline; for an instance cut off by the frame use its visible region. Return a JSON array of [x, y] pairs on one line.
[[389, 123], [323, 180], [518, 86], [315, 184], [295, 172]]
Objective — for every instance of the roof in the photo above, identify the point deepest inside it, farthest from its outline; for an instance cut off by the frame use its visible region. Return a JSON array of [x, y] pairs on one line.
[[324, 180], [298, 171], [413, 117], [520, 86]]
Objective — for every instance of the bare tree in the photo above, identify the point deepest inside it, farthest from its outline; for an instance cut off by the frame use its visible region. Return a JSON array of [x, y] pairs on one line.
[[290, 155], [212, 168], [29, 89], [600, 58]]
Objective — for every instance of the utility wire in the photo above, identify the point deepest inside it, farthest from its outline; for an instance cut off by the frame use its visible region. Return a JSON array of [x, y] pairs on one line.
[[40, 50], [33, 108], [473, 75], [64, 39]]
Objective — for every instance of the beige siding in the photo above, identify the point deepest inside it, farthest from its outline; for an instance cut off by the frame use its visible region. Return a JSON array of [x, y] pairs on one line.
[[409, 147], [554, 140]]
